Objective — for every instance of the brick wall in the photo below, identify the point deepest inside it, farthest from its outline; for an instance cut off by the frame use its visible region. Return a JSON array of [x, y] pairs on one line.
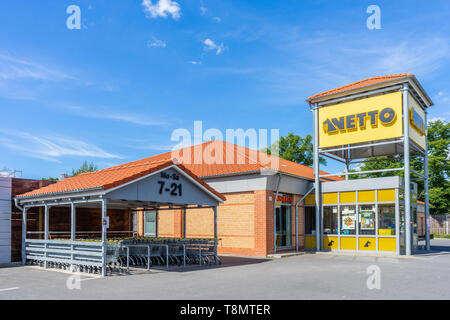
[[244, 223]]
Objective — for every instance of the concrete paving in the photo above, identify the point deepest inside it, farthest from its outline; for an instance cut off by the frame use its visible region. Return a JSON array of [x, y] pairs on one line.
[[308, 276]]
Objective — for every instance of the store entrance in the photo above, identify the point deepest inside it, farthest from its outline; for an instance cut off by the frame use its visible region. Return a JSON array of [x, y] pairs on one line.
[[283, 226]]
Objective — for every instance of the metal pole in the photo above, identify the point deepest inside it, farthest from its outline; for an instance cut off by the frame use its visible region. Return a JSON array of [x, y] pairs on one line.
[[316, 175], [104, 214], [275, 215], [426, 180], [296, 215], [184, 223], [46, 232], [72, 232], [73, 221], [408, 238], [24, 235], [215, 234]]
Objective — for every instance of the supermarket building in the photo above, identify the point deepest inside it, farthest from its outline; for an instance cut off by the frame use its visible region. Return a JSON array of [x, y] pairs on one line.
[[262, 210]]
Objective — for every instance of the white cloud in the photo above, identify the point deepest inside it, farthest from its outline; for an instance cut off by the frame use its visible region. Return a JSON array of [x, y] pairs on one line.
[[13, 68], [203, 10], [211, 45], [195, 62], [162, 8], [217, 19], [51, 148], [156, 43]]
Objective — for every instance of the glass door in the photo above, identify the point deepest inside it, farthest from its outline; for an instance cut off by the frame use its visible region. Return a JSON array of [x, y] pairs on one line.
[[283, 226]]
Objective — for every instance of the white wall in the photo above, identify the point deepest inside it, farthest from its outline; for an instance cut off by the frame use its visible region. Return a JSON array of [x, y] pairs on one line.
[[5, 220]]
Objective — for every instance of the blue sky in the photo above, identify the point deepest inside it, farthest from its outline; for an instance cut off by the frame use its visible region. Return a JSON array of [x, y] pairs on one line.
[[115, 90]]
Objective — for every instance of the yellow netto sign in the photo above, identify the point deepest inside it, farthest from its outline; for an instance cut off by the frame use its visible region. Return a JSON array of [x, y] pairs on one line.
[[417, 126], [364, 120]]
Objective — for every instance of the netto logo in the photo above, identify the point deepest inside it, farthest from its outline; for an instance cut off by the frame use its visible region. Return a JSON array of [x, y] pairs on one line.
[[352, 122]]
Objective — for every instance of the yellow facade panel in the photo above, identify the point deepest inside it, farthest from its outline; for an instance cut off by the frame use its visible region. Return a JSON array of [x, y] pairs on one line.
[[386, 195], [330, 242], [366, 196], [348, 243], [310, 242], [387, 244], [330, 198], [367, 243], [310, 199], [348, 197]]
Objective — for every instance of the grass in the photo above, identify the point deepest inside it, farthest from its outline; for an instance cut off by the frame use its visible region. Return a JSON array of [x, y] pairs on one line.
[[445, 236]]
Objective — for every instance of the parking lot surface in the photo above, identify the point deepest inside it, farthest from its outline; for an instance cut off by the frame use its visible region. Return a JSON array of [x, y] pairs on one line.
[[309, 276]]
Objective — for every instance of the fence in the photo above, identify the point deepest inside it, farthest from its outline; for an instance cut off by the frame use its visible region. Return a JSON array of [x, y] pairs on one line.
[[440, 223]]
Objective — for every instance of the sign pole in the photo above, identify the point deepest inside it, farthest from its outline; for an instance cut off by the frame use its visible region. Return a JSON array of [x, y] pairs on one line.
[[316, 175], [405, 92]]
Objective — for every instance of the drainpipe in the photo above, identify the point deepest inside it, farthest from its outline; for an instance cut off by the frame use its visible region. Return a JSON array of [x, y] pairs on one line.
[[275, 215], [296, 216]]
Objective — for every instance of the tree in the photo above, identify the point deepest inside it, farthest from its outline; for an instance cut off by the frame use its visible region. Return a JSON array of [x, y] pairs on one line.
[[295, 148], [438, 137], [50, 179], [85, 167]]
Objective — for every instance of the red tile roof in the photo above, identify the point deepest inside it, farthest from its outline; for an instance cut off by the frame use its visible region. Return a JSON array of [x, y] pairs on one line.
[[219, 158], [360, 84]]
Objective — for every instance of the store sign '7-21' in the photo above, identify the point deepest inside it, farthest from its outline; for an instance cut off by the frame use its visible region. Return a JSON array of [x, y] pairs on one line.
[[352, 122], [167, 186]]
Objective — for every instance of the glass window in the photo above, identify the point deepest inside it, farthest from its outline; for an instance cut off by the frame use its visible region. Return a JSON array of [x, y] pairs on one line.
[[310, 220], [150, 223], [134, 218], [348, 220], [386, 219], [367, 219], [330, 220]]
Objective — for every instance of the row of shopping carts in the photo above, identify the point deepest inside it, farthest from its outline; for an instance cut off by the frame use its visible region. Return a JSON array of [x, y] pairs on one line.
[[149, 252]]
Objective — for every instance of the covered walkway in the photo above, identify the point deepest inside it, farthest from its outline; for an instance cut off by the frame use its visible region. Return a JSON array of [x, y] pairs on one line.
[[158, 185]]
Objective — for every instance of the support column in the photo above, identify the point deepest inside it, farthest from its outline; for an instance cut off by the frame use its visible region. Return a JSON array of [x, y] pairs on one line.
[[215, 234], [24, 235], [406, 149], [46, 232], [316, 176], [184, 223], [426, 181], [104, 215], [73, 223]]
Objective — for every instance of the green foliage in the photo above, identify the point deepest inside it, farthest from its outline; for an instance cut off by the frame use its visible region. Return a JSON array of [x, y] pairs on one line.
[[85, 167], [295, 148], [50, 179], [438, 167]]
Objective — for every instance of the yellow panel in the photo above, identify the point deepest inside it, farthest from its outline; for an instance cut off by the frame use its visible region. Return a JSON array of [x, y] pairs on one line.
[[348, 243], [386, 232], [417, 126], [330, 242], [367, 243], [330, 198], [366, 196], [348, 197], [387, 244], [351, 122], [310, 199], [310, 242], [386, 195]]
